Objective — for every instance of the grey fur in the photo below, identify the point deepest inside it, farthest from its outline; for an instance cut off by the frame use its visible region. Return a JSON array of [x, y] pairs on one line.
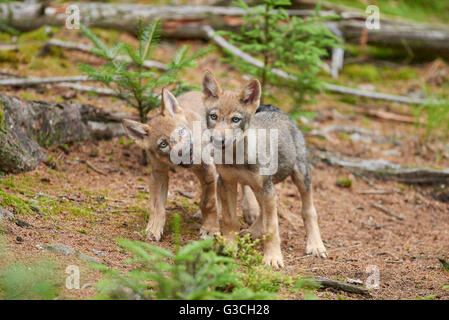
[[291, 144]]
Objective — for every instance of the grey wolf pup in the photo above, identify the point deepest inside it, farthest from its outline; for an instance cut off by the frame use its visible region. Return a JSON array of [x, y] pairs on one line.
[[226, 110], [156, 137]]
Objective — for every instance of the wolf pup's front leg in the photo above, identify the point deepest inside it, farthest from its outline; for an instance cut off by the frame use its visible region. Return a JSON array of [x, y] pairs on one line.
[[158, 194], [207, 176], [270, 225]]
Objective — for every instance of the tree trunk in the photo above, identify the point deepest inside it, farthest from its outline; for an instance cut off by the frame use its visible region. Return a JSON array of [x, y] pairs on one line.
[[26, 126]]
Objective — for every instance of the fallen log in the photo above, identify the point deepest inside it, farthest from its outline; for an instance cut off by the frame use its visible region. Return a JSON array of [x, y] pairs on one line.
[[386, 170], [187, 21], [26, 126], [221, 42], [339, 285]]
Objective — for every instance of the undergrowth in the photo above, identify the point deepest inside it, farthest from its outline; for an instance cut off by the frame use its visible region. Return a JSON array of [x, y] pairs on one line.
[[205, 269]]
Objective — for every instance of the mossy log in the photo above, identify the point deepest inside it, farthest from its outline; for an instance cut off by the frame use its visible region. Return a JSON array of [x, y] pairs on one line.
[[187, 21], [386, 170], [26, 127]]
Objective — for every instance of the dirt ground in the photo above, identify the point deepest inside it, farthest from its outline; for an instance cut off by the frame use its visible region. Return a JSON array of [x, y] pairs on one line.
[[97, 209], [405, 252]]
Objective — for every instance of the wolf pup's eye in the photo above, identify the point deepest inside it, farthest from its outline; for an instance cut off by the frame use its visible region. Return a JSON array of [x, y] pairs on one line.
[[182, 131], [213, 116], [163, 144], [235, 119]]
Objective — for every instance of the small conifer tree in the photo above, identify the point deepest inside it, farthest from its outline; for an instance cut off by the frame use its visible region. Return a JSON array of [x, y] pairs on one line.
[[289, 43], [125, 73]]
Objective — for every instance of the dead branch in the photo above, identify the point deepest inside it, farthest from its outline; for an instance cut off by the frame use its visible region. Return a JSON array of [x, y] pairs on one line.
[[221, 42], [88, 49], [24, 82], [339, 285], [380, 192], [386, 170], [386, 115], [94, 168], [387, 211], [84, 88]]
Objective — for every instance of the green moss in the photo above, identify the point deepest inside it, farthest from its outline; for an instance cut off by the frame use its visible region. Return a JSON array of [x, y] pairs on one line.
[[365, 72], [33, 36], [348, 99], [344, 182], [8, 182], [15, 203], [376, 52], [2, 117], [404, 73], [109, 36], [9, 56]]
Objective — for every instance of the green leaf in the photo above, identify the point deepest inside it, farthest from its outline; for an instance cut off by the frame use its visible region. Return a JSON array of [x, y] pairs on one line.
[[149, 38]]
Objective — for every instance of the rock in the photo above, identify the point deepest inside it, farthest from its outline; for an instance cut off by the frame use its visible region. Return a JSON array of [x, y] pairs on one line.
[[22, 224], [26, 126], [6, 214], [67, 251], [60, 249], [87, 258], [99, 253]]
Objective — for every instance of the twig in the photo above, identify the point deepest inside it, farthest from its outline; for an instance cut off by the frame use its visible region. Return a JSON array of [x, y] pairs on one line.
[[386, 115], [220, 41], [389, 212], [39, 81], [376, 191], [339, 285], [84, 88], [185, 194], [90, 165], [330, 250], [87, 49]]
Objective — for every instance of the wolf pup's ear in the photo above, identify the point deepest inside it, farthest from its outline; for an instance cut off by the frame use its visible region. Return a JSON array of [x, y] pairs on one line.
[[250, 95], [136, 131], [170, 105], [211, 88]]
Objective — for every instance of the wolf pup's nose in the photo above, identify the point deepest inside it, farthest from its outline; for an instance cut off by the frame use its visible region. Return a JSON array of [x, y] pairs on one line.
[[218, 140]]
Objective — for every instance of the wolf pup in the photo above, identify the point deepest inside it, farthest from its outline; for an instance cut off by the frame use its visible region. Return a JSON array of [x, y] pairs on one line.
[[158, 139], [236, 111]]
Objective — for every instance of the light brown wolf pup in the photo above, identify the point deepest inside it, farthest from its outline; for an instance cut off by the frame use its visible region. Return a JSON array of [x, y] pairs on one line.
[[229, 111], [170, 127]]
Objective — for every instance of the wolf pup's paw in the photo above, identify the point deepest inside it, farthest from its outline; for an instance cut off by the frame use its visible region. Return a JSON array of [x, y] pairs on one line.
[[209, 233], [316, 249], [274, 260], [154, 230], [250, 215]]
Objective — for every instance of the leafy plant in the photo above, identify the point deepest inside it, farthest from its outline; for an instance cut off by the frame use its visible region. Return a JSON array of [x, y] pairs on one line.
[[291, 44], [308, 285], [124, 70], [260, 278], [437, 117], [196, 271], [21, 281]]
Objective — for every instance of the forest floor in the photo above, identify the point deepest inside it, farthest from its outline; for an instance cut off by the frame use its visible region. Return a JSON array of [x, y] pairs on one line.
[[79, 207]]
